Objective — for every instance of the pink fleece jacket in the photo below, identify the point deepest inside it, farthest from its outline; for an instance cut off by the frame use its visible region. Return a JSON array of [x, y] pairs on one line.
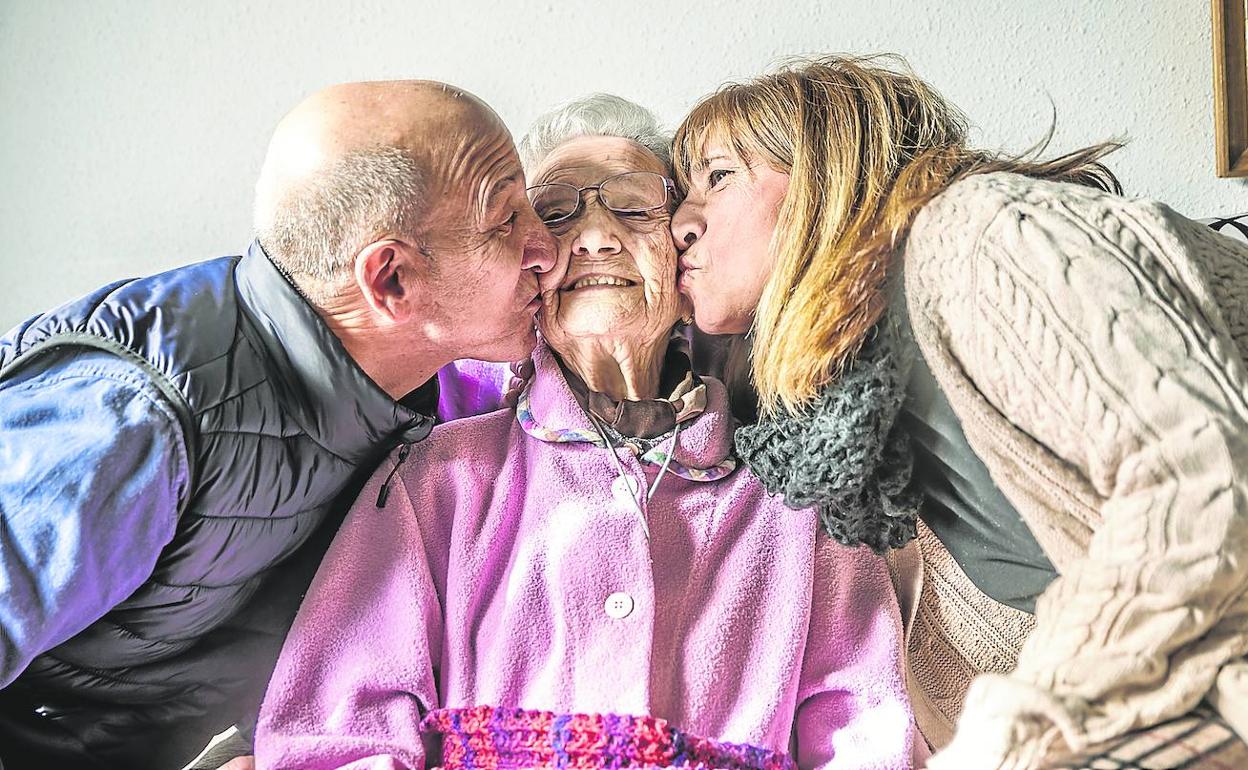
[[509, 567]]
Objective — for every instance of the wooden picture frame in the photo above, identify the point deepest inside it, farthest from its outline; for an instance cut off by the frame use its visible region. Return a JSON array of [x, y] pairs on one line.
[[1230, 87]]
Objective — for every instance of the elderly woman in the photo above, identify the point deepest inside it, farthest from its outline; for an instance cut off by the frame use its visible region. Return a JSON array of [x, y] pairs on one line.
[[1062, 368], [590, 579]]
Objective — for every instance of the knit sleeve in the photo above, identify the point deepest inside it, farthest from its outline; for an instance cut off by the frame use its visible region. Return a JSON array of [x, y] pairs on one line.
[[852, 708], [1088, 327], [356, 673]]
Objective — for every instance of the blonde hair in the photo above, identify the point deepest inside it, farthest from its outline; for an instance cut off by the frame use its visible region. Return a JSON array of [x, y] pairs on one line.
[[865, 143]]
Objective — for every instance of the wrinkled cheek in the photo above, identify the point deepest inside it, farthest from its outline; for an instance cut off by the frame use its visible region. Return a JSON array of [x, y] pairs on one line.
[[546, 319], [663, 265], [664, 251]]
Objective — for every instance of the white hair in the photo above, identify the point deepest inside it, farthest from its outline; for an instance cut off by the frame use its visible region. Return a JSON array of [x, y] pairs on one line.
[[595, 115], [314, 229]]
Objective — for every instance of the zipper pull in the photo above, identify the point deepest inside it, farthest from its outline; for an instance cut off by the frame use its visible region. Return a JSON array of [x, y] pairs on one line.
[[384, 493]]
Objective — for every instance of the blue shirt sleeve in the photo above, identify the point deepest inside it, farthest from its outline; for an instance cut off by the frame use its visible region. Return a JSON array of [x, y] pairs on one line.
[[93, 465]]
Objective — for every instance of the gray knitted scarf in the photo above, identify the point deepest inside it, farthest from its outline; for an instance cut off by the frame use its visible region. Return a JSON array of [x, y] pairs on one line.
[[845, 453]]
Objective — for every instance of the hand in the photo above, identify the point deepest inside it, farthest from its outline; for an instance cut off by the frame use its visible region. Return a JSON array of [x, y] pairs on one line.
[[994, 744], [240, 763], [1008, 725], [521, 373]]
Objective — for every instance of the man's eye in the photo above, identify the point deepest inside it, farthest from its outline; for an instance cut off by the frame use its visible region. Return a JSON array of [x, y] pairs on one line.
[[715, 177], [511, 220]]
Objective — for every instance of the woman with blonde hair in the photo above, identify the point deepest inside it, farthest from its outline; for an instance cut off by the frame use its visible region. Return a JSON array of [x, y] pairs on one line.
[[1041, 379]]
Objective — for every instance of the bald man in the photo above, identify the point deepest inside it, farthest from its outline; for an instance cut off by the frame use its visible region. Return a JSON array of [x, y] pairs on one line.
[[170, 445]]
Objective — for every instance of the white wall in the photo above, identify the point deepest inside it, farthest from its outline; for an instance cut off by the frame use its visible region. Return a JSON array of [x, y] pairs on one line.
[[131, 130]]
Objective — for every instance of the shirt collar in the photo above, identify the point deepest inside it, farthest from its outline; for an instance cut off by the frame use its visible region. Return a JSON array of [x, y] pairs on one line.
[[338, 405]]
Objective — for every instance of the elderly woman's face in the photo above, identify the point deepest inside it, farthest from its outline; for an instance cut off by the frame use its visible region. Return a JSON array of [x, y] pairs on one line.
[[620, 276]]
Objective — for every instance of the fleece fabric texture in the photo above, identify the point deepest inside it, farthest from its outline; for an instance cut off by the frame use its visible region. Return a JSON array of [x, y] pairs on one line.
[[512, 570]]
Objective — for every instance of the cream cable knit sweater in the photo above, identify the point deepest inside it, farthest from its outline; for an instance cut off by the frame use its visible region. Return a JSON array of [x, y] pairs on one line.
[[1094, 349]]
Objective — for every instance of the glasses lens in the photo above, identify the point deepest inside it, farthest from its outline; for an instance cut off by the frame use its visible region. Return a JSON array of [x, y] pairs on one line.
[[634, 191], [554, 202]]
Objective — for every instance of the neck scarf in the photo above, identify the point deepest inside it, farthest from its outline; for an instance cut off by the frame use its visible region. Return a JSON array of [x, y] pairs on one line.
[[844, 452]]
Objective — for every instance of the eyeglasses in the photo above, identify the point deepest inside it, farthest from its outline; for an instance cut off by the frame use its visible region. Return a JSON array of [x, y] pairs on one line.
[[633, 192]]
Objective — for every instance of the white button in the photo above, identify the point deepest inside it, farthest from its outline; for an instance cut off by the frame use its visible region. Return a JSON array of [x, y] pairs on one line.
[[625, 488], [618, 605]]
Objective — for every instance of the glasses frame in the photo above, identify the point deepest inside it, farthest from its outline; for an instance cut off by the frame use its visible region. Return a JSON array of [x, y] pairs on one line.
[[669, 194]]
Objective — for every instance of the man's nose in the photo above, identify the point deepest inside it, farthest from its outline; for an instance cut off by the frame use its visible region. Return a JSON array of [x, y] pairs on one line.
[[688, 225], [540, 254]]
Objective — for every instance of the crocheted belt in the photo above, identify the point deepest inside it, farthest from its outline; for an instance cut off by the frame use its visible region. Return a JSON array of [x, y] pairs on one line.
[[489, 738]]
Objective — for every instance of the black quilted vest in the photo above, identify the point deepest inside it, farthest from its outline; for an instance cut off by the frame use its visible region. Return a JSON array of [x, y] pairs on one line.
[[281, 426]]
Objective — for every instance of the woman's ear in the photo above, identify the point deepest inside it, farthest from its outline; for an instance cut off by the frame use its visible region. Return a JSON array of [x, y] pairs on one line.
[[389, 275]]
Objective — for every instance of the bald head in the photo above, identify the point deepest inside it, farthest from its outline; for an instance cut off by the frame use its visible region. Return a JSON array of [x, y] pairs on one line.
[[356, 162]]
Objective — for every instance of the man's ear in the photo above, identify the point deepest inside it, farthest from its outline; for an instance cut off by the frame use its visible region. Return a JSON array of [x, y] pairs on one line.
[[389, 275]]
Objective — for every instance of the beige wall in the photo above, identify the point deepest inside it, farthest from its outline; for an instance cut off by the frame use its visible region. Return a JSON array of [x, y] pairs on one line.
[[130, 130]]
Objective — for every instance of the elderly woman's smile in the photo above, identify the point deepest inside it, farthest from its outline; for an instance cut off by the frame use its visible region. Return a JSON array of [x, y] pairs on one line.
[[595, 281]]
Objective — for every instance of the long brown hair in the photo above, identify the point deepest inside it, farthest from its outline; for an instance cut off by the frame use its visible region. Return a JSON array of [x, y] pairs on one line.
[[866, 143]]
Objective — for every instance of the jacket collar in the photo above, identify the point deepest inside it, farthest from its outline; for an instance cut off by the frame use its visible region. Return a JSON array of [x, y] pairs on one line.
[[549, 411], [336, 402]]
